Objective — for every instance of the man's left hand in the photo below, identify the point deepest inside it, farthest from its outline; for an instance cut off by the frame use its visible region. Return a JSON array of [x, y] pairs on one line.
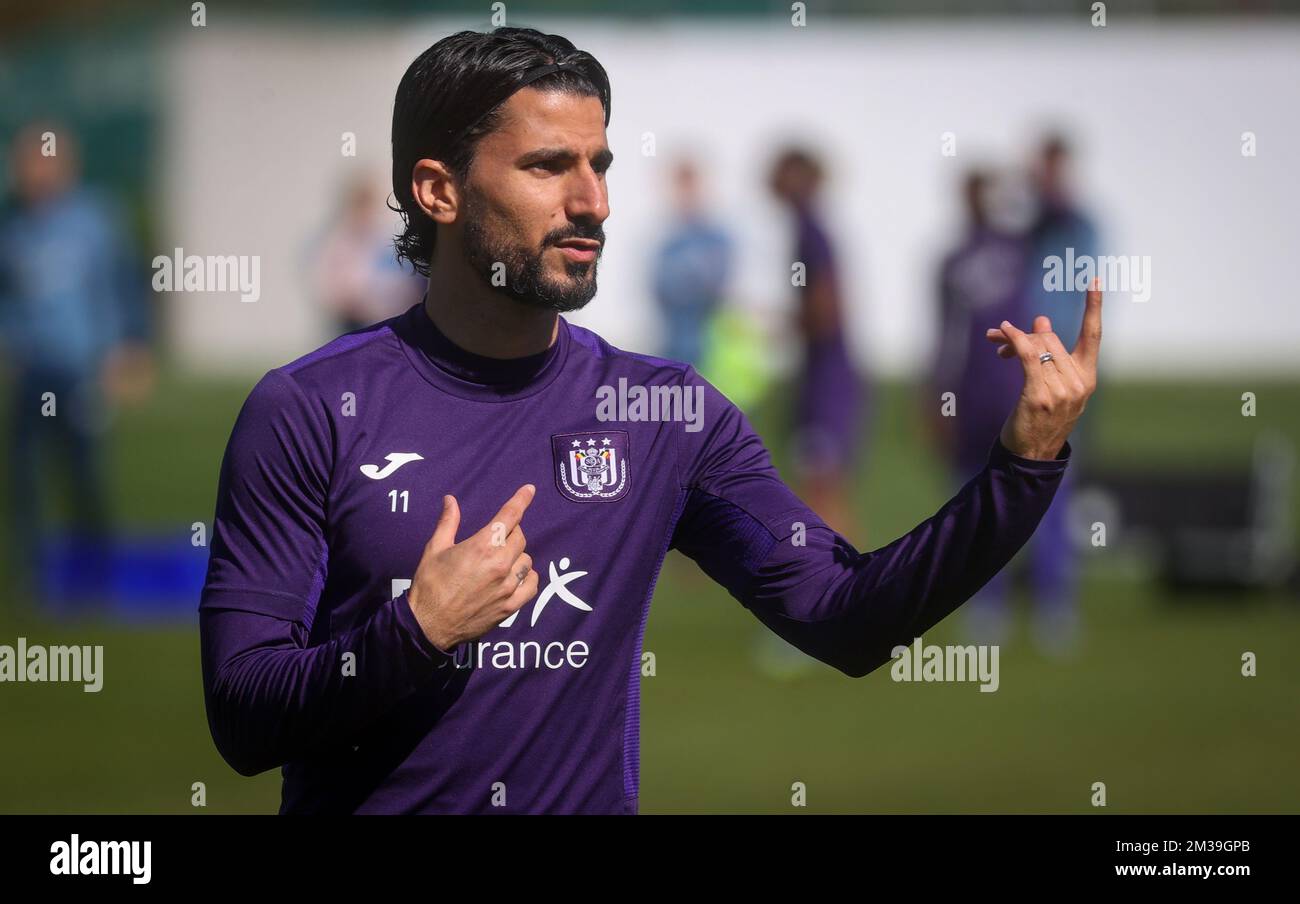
[[1057, 390]]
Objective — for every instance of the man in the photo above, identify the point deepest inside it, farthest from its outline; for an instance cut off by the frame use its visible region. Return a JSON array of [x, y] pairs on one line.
[[69, 307], [1059, 226], [375, 619], [353, 272], [980, 282], [1060, 229], [691, 270], [828, 408]]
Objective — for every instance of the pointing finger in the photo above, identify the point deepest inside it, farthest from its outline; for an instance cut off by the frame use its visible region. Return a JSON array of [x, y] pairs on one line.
[[511, 513], [1089, 344]]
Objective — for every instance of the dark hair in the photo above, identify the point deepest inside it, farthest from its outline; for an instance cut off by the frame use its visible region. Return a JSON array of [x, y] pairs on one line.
[[1055, 146], [800, 157], [452, 96]]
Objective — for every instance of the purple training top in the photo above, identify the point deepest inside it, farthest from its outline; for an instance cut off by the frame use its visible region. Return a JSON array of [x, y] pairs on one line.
[[981, 283], [332, 484], [832, 394]]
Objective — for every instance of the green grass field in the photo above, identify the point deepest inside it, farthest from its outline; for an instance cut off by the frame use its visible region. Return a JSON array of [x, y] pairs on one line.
[[1154, 706]]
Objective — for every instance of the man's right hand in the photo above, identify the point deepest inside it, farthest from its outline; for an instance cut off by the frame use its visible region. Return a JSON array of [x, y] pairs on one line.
[[463, 590]]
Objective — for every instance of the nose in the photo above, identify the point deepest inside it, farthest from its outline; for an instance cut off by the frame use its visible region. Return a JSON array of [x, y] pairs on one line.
[[588, 196]]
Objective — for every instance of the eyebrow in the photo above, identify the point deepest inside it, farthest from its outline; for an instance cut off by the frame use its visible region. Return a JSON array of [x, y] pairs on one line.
[[602, 160]]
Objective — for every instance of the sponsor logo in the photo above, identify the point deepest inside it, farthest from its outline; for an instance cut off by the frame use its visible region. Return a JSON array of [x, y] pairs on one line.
[[395, 460], [525, 654], [559, 586]]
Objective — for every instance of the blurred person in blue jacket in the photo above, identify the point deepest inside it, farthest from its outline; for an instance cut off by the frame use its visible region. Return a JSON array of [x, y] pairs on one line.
[[69, 303], [691, 270], [1061, 230]]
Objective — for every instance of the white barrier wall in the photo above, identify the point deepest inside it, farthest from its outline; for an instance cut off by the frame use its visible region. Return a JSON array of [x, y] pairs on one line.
[[256, 112]]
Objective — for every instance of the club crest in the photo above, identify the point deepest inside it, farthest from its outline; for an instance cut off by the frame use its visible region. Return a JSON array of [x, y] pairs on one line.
[[591, 467]]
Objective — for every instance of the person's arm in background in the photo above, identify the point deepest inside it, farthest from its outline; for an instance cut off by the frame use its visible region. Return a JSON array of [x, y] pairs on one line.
[[819, 304], [722, 263], [660, 271], [121, 309], [807, 583], [270, 697], [7, 288], [945, 364]]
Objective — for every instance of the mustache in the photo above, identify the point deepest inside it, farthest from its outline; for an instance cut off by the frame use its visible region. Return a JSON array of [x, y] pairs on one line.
[[594, 232]]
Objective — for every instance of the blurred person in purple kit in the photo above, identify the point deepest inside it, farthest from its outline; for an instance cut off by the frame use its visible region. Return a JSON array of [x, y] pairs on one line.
[[980, 282], [374, 620], [690, 270], [71, 341], [831, 404], [355, 275]]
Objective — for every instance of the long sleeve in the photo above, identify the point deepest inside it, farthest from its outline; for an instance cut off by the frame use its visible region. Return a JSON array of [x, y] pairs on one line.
[[271, 696], [272, 699], [752, 534]]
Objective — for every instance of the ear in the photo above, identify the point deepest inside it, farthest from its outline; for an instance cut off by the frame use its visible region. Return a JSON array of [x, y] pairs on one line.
[[434, 189]]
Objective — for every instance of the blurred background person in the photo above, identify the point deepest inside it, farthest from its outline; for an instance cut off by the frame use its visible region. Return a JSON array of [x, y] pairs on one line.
[[829, 403], [355, 275], [995, 274], [829, 400], [69, 302], [1060, 229], [981, 283], [690, 269]]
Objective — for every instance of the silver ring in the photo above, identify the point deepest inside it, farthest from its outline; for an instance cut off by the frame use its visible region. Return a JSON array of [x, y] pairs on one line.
[[1045, 357], [521, 574]]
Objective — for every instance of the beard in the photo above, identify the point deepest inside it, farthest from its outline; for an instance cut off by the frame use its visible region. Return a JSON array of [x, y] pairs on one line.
[[525, 274]]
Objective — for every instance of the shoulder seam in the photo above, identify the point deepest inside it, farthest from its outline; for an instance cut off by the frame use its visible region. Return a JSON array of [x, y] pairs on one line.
[[653, 360], [297, 364]]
